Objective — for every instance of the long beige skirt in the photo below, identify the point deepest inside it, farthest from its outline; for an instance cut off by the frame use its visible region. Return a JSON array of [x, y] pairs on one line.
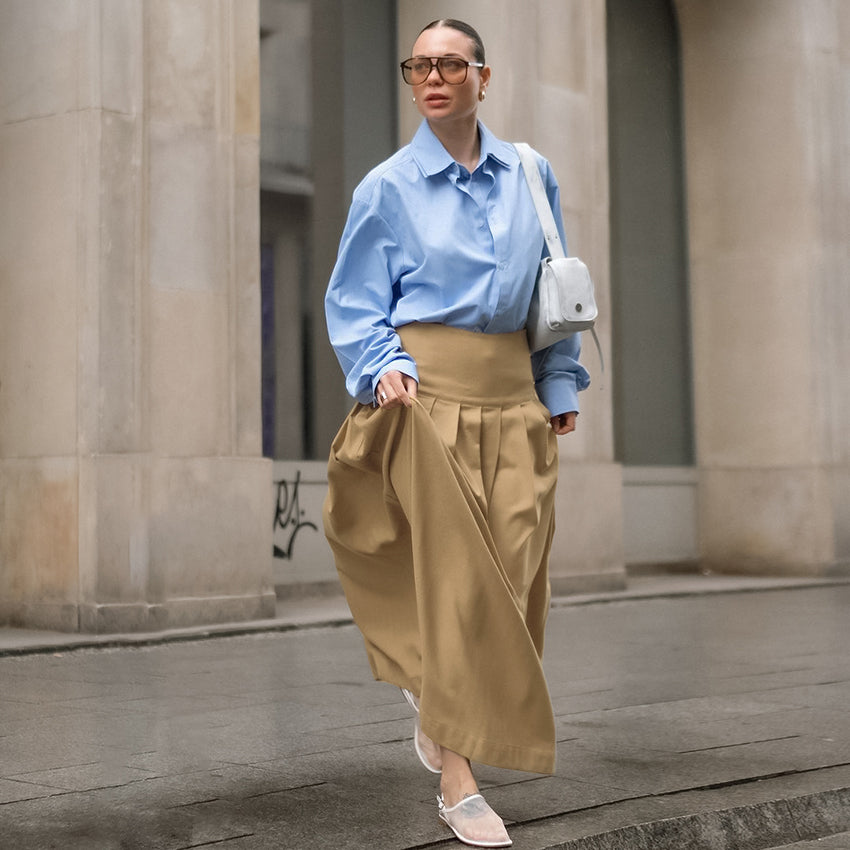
[[440, 517]]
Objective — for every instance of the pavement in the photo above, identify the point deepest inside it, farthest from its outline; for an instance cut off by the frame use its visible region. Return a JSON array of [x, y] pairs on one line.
[[695, 712]]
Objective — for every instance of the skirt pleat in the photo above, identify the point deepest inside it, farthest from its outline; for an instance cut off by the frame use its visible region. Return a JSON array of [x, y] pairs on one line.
[[440, 517]]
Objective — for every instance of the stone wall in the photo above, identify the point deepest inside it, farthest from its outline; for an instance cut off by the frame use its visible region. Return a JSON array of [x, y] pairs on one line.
[[133, 494], [132, 491], [767, 131]]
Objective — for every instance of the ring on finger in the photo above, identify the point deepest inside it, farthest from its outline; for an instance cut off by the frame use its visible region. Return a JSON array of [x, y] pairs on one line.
[[383, 396]]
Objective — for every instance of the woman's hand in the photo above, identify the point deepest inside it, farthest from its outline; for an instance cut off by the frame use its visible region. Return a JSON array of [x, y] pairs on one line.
[[396, 389], [563, 423]]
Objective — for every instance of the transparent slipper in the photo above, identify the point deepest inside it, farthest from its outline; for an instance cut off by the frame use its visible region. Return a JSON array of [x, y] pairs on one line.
[[426, 749], [473, 822]]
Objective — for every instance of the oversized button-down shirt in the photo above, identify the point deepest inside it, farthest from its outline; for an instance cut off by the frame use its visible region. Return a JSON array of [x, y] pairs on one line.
[[426, 241]]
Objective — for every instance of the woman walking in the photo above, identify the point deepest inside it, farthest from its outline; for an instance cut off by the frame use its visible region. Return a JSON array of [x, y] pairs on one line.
[[440, 509]]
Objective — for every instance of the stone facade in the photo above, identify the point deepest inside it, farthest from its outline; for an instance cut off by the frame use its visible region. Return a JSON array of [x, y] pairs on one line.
[[767, 118], [133, 493]]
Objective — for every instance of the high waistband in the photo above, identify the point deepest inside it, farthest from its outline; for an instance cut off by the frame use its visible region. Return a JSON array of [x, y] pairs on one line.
[[490, 370]]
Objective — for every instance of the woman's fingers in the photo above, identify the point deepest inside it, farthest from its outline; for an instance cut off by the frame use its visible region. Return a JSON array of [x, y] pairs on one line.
[[563, 423], [395, 389], [410, 385]]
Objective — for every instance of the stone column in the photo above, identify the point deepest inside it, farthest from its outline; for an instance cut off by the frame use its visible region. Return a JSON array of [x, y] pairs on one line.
[[766, 114], [132, 491], [549, 88]]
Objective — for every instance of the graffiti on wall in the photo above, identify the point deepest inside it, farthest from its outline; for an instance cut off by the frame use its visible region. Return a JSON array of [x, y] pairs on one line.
[[290, 518]]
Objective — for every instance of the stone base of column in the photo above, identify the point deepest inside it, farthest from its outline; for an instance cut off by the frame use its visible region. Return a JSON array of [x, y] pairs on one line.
[[47, 616], [176, 613], [138, 617], [777, 521], [130, 543], [587, 552]]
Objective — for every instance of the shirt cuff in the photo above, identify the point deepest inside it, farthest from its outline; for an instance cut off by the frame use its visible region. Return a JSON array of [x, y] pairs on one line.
[[558, 395]]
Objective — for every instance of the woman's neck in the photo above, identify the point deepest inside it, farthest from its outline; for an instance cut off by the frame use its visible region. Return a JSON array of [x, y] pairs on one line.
[[461, 139]]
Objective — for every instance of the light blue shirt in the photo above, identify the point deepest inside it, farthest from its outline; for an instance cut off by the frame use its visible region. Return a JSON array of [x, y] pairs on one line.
[[426, 241]]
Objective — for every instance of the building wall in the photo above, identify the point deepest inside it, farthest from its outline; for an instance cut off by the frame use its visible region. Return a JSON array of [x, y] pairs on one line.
[[766, 94], [132, 490], [133, 494]]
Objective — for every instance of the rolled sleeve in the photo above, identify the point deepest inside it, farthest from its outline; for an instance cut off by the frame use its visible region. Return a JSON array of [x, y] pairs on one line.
[[559, 377], [358, 303]]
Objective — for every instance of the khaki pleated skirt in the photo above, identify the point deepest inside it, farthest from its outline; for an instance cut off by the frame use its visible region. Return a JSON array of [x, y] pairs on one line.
[[440, 517]]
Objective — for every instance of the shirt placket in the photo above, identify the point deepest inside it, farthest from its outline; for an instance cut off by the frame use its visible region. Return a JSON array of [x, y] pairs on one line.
[[497, 221], [472, 186]]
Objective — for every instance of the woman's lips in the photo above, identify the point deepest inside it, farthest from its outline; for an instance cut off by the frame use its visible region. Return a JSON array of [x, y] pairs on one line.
[[436, 98]]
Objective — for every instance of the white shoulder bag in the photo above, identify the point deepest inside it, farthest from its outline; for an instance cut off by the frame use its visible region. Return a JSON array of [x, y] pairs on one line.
[[563, 302]]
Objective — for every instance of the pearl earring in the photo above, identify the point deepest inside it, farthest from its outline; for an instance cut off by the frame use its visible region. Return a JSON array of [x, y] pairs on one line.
[[414, 99]]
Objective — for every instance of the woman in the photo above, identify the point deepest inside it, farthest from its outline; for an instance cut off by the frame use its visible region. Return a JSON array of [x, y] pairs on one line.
[[442, 478]]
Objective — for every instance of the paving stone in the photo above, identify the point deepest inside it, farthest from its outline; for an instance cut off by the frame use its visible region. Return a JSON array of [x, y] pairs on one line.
[[16, 792], [547, 796], [832, 842], [83, 777], [670, 713], [825, 813]]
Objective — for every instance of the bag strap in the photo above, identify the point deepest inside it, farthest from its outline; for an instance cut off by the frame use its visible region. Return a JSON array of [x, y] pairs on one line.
[[541, 202], [544, 213]]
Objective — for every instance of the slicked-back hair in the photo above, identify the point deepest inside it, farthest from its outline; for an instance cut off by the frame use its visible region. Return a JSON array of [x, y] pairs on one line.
[[469, 31]]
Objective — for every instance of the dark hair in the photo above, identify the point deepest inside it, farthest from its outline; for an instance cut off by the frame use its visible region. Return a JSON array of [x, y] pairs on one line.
[[466, 29]]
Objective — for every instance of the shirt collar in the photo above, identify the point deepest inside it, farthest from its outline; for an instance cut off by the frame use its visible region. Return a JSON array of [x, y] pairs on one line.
[[432, 158]]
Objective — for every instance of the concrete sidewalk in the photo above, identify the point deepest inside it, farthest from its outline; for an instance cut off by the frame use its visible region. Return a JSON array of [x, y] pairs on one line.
[[691, 713]]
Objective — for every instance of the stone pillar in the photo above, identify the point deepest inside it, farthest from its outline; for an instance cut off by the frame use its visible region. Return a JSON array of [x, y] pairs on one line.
[[766, 114], [132, 491], [549, 88]]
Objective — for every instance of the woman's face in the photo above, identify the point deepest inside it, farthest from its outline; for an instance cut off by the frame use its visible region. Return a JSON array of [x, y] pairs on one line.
[[436, 100]]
